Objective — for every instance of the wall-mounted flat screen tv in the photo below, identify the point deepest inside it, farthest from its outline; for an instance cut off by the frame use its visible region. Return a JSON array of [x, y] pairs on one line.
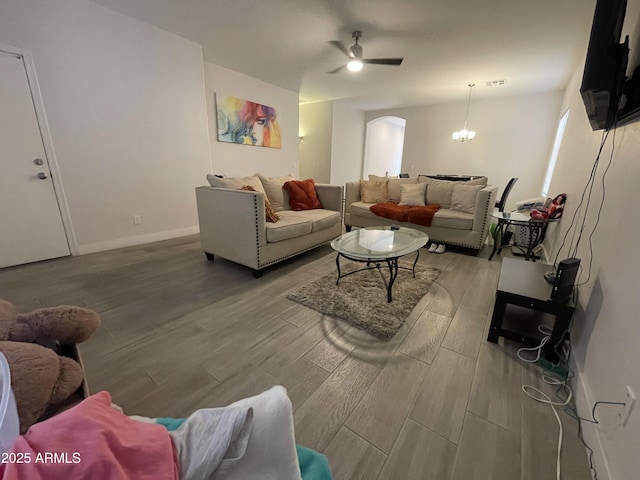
[[605, 65]]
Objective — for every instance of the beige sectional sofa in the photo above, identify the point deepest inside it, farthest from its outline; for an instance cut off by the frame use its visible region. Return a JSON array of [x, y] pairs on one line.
[[233, 222], [467, 227]]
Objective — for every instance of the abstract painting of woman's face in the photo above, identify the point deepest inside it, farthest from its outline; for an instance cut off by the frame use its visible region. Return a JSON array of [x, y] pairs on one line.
[[257, 129], [247, 123]]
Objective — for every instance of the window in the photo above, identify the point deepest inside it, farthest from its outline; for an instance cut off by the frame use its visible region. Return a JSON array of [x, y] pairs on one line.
[[554, 154]]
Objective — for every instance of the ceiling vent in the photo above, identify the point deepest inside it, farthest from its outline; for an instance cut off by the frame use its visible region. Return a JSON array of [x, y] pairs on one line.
[[496, 83]]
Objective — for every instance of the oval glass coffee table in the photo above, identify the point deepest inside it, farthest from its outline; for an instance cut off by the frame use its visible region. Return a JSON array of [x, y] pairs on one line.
[[378, 245]]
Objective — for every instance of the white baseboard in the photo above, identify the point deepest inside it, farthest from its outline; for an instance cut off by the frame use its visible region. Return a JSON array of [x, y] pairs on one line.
[[590, 433], [137, 240]]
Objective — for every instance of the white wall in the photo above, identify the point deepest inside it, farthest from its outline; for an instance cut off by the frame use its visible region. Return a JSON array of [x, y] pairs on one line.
[[514, 139], [316, 126], [240, 160], [126, 110], [384, 143], [347, 143], [606, 333]]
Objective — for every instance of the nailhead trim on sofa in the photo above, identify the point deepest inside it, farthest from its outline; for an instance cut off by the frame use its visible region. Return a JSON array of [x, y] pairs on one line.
[[255, 214]]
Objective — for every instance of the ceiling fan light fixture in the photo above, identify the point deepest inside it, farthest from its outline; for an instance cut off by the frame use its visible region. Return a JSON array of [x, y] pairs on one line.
[[354, 65], [355, 60]]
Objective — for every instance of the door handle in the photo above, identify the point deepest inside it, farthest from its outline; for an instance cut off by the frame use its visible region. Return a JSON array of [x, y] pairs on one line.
[[42, 176]]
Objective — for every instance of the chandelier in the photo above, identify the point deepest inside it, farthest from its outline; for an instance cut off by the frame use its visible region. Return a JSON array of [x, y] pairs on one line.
[[464, 134]]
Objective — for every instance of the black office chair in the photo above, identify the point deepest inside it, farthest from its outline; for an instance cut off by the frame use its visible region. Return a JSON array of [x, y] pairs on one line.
[[404, 175], [503, 199]]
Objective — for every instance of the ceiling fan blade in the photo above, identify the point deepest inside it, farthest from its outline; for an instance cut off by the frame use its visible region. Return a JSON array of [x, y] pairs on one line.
[[336, 70], [341, 46], [383, 61]]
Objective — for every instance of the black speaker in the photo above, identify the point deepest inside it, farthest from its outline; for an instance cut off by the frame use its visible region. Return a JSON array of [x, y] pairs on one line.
[[565, 278]]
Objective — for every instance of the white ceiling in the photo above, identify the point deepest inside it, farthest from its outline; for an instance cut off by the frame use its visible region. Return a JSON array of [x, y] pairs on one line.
[[446, 44]]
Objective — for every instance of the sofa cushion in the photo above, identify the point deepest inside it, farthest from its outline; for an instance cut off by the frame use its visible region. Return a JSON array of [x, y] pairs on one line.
[[464, 197], [477, 181], [360, 208], [277, 195], [444, 217], [416, 214], [394, 185], [290, 225], [413, 195], [374, 191], [448, 218], [302, 194], [236, 183], [320, 219]]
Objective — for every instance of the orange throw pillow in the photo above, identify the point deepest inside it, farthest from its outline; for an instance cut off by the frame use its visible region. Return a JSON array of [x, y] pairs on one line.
[[302, 194], [269, 213]]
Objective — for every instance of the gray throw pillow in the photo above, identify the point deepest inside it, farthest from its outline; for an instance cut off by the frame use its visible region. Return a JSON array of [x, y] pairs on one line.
[[463, 198]]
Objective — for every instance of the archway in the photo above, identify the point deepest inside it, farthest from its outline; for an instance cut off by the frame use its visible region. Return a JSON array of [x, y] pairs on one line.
[[384, 143]]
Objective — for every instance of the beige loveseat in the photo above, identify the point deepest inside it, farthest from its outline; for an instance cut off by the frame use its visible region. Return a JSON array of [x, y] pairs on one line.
[[454, 227], [233, 223]]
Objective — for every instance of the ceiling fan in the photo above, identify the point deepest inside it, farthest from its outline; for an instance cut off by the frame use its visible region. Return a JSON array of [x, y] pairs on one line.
[[354, 54]]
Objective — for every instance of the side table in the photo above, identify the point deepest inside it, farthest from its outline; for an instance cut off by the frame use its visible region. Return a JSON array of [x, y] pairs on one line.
[[536, 230], [522, 284]]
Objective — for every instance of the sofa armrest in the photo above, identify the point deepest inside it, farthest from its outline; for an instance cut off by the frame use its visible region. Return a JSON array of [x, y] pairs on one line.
[[485, 203], [352, 194], [232, 222], [330, 196]]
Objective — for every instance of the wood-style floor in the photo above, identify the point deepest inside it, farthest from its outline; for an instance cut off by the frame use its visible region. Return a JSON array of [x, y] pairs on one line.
[[436, 402]]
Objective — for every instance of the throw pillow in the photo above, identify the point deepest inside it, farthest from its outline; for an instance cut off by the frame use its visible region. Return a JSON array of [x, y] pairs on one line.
[[302, 194], [413, 195], [438, 191], [478, 181], [236, 183], [374, 191], [277, 195], [464, 196], [269, 213], [394, 185]]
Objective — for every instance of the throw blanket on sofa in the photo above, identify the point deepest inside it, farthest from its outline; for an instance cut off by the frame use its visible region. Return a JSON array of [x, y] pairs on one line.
[[92, 440], [404, 213]]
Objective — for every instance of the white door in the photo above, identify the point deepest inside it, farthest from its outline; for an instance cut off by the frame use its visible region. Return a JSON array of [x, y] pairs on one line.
[[31, 227]]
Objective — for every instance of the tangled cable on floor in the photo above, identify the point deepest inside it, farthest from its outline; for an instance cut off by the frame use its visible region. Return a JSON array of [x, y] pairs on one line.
[[538, 395], [561, 379]]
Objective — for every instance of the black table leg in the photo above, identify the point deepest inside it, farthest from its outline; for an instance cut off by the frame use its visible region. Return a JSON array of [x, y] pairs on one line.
[[497, 234], [496, 319], [338, 265], [393, 273], [534, 233], [415, 262]]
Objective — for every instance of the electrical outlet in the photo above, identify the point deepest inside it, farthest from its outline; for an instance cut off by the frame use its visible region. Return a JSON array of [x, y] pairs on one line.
[[137, 220], [629, 402]]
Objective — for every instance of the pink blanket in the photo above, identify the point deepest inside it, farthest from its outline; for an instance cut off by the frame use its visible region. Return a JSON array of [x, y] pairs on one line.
[[89, 441]]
